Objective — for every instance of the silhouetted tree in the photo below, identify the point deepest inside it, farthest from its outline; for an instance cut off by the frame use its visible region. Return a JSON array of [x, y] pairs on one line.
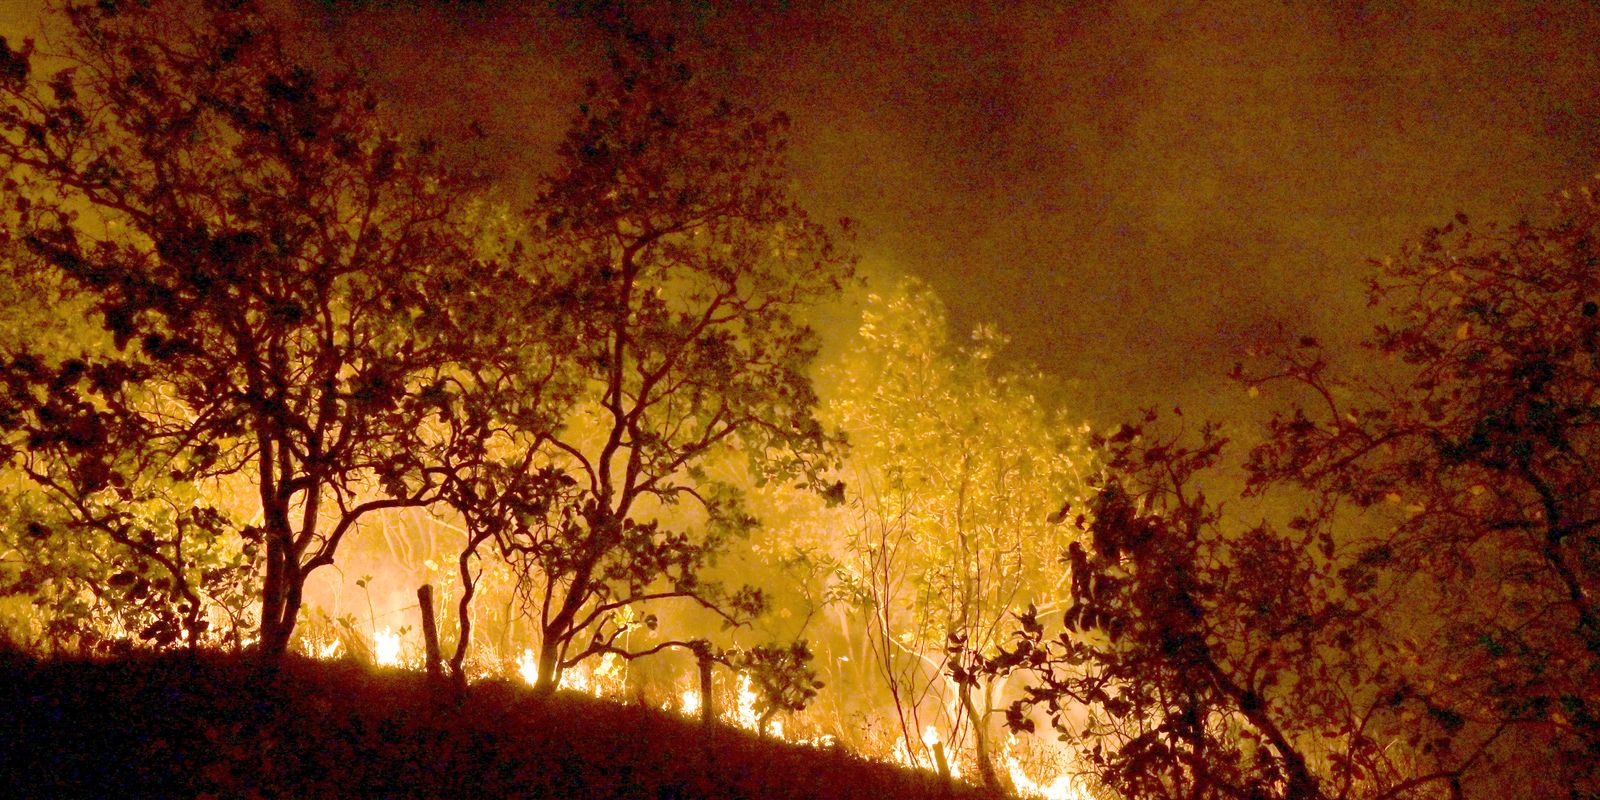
[[668, 236], [1424, 625], [1472, 448], [1198, 661], [277, 274]]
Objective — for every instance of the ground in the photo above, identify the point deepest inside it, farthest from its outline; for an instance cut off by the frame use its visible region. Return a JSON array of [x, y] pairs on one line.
[[221, 726]]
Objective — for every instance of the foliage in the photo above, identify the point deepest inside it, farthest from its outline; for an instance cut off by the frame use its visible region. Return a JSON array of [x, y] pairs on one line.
[[1425, 622], [950, 476], [782, 675], [683, 267], [276, 274], [1475, 447], [1199, 661], [149, 579]]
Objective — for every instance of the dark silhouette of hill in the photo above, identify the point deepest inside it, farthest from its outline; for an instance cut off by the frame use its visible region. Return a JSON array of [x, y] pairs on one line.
[[214, 725]]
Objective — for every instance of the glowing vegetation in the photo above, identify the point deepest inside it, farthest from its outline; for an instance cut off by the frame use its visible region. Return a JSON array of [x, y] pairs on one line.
[[954, 469], [582, 440], [274, 277]]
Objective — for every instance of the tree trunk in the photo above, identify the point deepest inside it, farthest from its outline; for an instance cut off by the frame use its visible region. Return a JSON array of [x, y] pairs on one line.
[[278, 612], [549, 660], [980, 740], [555, 633], [458, 661], [277, 625], [469, 588], [279, 602]]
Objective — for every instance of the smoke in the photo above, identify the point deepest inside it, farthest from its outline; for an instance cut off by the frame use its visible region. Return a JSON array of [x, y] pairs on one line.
[[1133, 196], [1130, 193]]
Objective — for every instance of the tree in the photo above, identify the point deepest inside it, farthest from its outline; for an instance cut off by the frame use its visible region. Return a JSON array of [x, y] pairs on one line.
[[1198, 660], [1421, 623], [684, 270], [278, 277], [69, 585], [782, 676], [1474, 447], [950, 474]]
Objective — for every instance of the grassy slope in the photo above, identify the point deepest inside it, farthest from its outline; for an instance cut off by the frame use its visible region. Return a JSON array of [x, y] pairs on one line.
[[182, 727]]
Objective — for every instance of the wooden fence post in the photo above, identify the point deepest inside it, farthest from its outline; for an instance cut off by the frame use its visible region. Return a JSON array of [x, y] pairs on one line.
[[708, 707], [430, 630]]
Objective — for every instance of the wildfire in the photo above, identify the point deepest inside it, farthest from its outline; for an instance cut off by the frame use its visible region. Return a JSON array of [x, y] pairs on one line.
[[386, 648], [574, 680], [330, 649], [1063, 787], [924, 760], [603, 680], [528, 668], [607, 678], [745, 710]]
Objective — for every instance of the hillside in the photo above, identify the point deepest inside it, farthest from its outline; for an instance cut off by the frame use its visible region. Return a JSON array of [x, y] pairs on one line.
[[213, 725]]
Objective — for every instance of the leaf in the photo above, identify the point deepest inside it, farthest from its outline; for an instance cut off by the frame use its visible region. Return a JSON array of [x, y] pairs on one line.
[[1061, 514]]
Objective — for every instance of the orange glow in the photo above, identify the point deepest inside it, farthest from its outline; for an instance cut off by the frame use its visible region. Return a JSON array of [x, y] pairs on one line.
[[1062, 787], [924, 759], [386, 648], [528, 668], [746, 714], [689, 702]]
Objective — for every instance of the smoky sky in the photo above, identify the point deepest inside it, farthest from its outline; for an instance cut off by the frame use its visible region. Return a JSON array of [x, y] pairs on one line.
[[1132, 191]]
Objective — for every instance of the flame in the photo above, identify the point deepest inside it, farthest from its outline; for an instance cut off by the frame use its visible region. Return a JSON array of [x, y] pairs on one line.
[[745, 710], [330, 649], [924, 759], [1062, 787], [608, 676], [528, 668], [386, 648], [745, 705], [577, 681], [602, 680]]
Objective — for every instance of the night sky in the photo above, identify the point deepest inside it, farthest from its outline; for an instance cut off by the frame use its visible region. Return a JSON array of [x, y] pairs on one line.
[[1131, 194]]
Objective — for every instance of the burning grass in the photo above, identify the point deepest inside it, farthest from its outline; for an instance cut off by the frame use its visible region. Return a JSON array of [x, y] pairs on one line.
[[228, 727]]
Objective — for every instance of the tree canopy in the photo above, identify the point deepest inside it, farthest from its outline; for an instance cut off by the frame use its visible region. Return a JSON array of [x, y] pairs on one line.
[[951, 477], [684, 270], [1424, 623], [276, 272]]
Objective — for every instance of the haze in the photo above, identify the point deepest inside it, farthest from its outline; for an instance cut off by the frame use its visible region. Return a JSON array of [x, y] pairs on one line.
[[1131, 194]]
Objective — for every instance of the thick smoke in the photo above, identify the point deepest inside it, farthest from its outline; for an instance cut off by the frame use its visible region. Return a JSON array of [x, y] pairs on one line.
[[1130, 194]]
